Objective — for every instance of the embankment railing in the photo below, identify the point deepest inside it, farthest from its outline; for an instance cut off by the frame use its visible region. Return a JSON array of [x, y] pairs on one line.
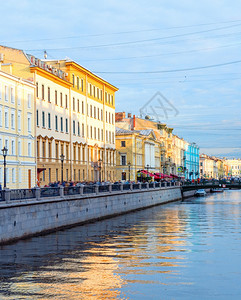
[[60, 191]]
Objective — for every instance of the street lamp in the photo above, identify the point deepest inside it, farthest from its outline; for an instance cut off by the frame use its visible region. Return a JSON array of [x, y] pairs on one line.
[[62, 167], [129, 169], [99, 166], [5, 152]]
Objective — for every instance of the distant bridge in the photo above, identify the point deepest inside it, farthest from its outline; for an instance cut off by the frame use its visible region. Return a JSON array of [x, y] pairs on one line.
[[192, 187]]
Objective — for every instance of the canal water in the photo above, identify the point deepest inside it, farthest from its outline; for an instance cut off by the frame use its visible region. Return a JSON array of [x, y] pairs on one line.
[[184, 250]]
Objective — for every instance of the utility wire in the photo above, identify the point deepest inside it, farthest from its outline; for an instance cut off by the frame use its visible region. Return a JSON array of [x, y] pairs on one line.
[[136, 42], [123, 32], [172, 70]]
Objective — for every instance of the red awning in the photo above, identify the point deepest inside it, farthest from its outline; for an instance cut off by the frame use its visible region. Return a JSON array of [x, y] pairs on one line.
[[166, 176], [147, 173], [173, 175]]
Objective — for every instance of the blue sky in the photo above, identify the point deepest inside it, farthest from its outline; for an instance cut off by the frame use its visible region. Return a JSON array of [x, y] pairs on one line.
[[126, 41]]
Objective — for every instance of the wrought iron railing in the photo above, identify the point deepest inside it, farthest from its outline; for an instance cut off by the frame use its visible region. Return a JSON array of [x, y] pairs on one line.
[[49, 192], [18, 194], [37, 193]]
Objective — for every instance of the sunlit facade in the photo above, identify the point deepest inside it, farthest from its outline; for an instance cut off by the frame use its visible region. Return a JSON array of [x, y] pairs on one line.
[[17, 130]]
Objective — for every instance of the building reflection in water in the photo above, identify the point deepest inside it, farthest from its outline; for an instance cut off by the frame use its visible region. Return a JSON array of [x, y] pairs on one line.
[[97, 260]]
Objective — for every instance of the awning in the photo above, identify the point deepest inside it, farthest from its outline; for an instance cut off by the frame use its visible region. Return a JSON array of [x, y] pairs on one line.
[[174, 176], [166, 176], [147, 173], [39, 170]]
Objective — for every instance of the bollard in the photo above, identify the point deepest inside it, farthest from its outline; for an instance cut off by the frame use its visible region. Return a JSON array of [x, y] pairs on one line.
[[131, 186], [110, 187], [81, 190], [139, 185], [147, 185], [37, 193], [121, 187], [61, 191], [154, 185], [96, 189], [6, 195]]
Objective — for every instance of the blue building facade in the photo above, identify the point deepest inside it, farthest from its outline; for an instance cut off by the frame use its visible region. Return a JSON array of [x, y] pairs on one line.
[[191, 162]]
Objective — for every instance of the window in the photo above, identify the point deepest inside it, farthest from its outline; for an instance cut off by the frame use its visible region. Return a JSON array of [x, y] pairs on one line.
[[83, 130], [37, 117], [50, 149], [73, 79], [43, 119], [6, 118], [61, 99], [61, 124], [19, 148], [12, 95], [91, 132], [82, 85], [57, 151], [78, 83], [78, 109], [6, 93], [49, 121], [73, 127], [98, 113], [66, 126], [123, 160], [56, 123], [37, 89], [13, 120], [42, 91], [56, 97], [123, 143], [82, 107], [78, 129], [19, 96], [29, 123], [112, 100], [13, 175], [13, 147], [66, 101], [29, 100], [49, 99], [29, 148], [74, 104], [94, 112], [19, 176], [91, 111]]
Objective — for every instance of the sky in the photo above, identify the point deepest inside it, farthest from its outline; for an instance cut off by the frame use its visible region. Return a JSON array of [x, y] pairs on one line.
[[179, 60]]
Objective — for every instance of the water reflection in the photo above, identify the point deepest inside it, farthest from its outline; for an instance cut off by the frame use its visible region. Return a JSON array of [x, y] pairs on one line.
[[177, 251]]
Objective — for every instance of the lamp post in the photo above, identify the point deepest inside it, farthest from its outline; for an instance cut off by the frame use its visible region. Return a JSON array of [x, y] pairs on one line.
[[62, 167], [99, 166], [5, 152], [129, 169]]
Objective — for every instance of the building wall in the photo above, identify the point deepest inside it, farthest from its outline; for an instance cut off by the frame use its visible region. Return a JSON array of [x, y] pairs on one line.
[[192, 162], [17, 131]]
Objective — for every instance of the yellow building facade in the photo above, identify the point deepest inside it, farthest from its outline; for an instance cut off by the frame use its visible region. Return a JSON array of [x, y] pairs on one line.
[[17, 130], [171, 147], [136, 150], [75, 116], [233, 167]]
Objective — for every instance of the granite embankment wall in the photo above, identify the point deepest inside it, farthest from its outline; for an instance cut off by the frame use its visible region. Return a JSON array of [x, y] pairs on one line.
[[189, 194], [21, 219]]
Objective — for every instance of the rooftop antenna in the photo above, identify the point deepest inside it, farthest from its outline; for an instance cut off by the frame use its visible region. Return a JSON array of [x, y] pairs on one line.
[[45, 54]]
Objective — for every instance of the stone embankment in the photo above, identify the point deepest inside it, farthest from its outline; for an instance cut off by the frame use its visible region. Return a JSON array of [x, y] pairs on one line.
[[25, 213]]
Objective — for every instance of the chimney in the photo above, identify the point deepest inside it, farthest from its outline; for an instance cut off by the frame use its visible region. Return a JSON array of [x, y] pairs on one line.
[[129, 115], [119, 116], [134, 122]]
